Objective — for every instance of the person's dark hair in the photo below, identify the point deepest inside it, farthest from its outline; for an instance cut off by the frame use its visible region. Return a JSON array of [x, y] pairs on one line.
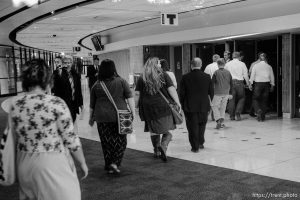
[[58, 57], [36, 73], [107, 70], [96, 58], [164, 65]]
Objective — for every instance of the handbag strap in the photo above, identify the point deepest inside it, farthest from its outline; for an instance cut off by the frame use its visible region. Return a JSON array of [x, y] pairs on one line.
[[108, 95], [163, 96]]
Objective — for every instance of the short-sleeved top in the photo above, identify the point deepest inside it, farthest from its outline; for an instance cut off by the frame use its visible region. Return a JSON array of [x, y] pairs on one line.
[[154, 106], [104, 110], [237, 69], [222, 81], [43, 123]]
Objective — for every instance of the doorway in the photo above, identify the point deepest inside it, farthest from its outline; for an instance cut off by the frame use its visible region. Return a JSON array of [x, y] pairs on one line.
[[178, 64]]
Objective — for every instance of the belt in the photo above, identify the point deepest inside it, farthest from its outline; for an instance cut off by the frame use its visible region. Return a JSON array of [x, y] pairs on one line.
[[236, 80]]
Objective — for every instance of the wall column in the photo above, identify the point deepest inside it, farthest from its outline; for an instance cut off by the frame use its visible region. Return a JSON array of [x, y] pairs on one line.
[[136, 59], [287, 76], [186, 58]]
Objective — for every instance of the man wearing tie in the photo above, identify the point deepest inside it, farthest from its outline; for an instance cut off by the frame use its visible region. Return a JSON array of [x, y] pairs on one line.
[[69, 88], [92, 72]]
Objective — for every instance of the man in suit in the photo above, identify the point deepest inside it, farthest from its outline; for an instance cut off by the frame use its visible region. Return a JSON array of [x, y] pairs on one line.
[[68, 87], [57, 74], [92, 72], [195, 90]]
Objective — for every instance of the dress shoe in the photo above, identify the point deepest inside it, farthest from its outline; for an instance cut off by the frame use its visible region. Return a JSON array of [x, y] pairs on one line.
[[194, 150], [201, 146], [259, 115], [238, 117]]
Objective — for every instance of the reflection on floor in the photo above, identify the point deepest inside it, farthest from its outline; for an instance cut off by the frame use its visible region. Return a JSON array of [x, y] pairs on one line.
[[270, 148]]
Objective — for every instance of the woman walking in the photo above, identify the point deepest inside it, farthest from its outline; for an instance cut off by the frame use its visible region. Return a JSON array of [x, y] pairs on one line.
[[45, 139], [153, 108], [166, 68], [103, 112]]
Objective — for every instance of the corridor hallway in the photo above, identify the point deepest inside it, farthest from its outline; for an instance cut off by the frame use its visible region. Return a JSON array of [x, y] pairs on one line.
[[270, 148], [245, 160]]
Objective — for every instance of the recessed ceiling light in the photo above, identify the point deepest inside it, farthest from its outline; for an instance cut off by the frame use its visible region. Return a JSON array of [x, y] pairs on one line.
[[199, 6], [160, 1], [148, 17], [55, 18]]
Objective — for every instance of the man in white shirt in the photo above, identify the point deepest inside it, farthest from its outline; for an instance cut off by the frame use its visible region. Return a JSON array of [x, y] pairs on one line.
[[210, 70], [239, 73], [263, 76], [252, 112], [212, 67]]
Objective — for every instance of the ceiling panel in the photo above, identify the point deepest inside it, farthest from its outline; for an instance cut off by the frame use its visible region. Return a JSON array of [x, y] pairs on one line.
[[102, 15]]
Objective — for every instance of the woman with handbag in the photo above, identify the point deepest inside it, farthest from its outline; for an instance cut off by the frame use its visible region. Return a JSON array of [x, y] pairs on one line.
[[103, 111], [151, 88], [45, 140]]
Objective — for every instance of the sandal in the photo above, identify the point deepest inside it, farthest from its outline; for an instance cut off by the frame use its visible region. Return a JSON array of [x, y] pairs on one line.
[[114, 168]]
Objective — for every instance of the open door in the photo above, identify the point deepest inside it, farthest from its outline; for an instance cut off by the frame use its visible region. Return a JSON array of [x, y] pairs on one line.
[[178, 64]]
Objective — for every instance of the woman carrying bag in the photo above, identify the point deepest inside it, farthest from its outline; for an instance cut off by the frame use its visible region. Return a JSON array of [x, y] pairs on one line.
[[151, 88], [103, 111]]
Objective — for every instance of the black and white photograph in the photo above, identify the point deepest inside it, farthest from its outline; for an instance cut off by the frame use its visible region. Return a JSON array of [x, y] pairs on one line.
[[149, 99]]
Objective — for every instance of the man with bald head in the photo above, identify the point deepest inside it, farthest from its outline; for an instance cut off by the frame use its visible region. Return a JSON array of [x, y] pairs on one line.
[[195, 90]]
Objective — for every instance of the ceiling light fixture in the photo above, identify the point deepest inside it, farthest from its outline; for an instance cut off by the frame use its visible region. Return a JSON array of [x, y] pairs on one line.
[[17, 3], [116, 1], [160, 1], [232, 37]]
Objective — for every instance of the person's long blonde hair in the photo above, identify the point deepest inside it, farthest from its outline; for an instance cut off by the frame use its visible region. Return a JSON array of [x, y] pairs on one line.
[[153, 76]]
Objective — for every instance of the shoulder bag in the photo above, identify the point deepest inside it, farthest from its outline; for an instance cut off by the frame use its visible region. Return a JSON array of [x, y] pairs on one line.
[[8, 156], [125, 117], [177, 115]]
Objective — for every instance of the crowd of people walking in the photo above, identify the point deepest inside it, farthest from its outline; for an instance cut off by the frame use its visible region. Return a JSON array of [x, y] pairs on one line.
[[43, 123]]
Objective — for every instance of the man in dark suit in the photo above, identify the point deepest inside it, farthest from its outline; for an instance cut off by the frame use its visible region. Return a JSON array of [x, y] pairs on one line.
[[68, 87], [195, 90], [92, 72]]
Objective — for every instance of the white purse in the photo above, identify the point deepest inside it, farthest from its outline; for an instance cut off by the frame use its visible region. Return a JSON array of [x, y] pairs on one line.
[[8, 156]]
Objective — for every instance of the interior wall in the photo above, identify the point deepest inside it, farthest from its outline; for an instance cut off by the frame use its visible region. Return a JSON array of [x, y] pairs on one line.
[[121, 60], [136, 59]]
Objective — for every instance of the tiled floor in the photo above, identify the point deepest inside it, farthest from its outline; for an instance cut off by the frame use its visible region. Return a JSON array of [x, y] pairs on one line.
[[271, 148]]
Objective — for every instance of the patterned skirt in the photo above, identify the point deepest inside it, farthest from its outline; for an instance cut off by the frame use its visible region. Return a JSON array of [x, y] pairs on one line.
[[113, 144]]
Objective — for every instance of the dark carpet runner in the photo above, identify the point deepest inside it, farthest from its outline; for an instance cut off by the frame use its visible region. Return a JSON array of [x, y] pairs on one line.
[[146, 178]]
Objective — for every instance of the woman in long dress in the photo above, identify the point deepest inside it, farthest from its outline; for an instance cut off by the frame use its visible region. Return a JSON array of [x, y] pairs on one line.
[[45, 140]]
